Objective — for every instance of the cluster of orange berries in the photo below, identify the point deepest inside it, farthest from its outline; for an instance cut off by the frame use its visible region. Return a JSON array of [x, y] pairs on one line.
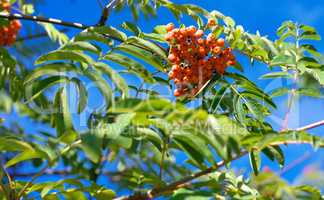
[[195, 59], [8, 33]]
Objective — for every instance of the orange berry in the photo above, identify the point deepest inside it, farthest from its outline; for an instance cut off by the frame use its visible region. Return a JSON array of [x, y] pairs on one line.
[[169, 27], [16, 24], [191, 30], [210, 38], [6, 6], [199, 33], [200, 41], [221, 42], [11, 40], [168, 37], [211, 22], [177, 93], [176, 81], [217, 50], [231, 62], [202, 51], [172, 57], [171, 75], [186, 79], [183, 31], [176, 68]]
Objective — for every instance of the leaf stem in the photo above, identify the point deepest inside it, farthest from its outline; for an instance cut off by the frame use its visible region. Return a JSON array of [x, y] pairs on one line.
[[164, 149]]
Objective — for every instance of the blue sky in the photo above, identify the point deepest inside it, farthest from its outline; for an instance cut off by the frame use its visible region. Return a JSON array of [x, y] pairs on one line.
[[263, 15]]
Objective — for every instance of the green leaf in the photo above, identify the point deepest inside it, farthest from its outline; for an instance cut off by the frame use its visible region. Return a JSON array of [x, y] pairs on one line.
[[311, 92], [82, 46], [131, 27], [310, 35], [307, 28], [36, 88], [282, 60], [311, 49], [131, 65], [255, 161], [150, 135], [279, 92], [63, 121], [27, 9], [286, 25], [187, 194], [154, 48], [309, 62], [275, 152], [160, 29], [50, 69], [91, 36], [110, 31], [104, 194], [10, 144], [239, 67], [64, 55], [317, 74], [102, 85], [229, 21], [91, 145], [274, 75], [195, 147], [113, 130], [154, 36], [83, 94], [54, 34], [141, 54], [25, 155], [118, 80], [307, 192], [72, 195]]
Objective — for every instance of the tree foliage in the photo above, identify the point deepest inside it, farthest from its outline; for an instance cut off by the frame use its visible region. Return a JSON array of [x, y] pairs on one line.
[[135, 135]]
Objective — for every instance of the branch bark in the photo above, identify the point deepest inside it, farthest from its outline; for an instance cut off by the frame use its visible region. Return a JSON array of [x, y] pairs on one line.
[[106, 12], [43, 19], [68, 24]]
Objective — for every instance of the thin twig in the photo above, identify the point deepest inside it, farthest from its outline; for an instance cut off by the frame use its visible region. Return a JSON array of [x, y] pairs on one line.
[[72, 25], [295, 163], [311, 126], [295, 87], [105, 12], [28, 184], [2, 186], [100, 3], [43, 19]]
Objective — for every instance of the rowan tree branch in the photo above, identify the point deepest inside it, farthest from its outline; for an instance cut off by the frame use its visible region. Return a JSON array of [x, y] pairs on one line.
[[106, 11], [69, 24], [158, 191], [43, 19], [28, 184], [311, 126]]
